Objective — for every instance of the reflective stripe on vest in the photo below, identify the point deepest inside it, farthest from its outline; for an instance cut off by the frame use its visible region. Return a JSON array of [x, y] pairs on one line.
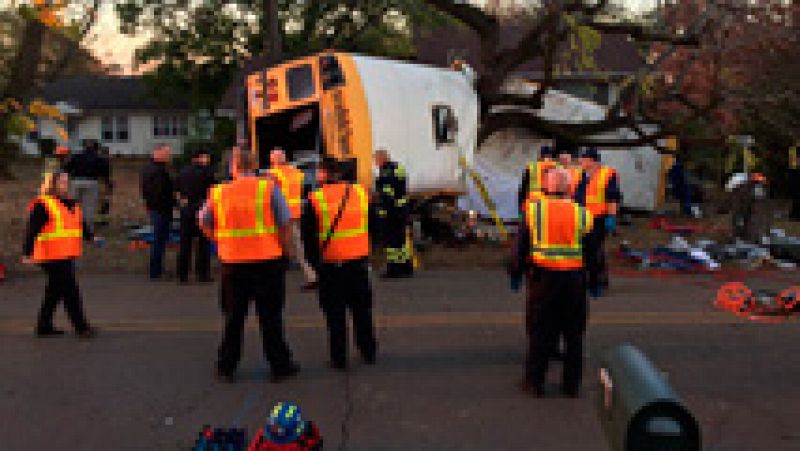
[[290, 180], [61, 237], [536, 172], [548, 220], [235, 243], [350, 239], [596, 190]]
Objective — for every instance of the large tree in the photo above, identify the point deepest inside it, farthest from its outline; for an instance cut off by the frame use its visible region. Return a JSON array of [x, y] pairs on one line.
[[41, 40], [198, 47]]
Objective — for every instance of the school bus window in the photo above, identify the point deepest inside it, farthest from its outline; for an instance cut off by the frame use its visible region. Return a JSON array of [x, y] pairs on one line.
[[300, 81], [445, 125], [331, 72]]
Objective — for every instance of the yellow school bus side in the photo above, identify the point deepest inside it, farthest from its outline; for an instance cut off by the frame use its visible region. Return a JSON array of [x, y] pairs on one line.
[[353, 120]]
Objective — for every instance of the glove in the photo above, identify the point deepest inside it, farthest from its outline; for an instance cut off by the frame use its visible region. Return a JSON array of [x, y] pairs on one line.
[[611, 224]]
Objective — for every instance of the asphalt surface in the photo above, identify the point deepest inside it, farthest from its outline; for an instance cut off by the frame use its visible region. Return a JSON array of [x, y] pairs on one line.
[[452, 349]]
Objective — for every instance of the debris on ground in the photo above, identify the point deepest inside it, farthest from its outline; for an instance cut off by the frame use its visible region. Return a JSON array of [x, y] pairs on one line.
[[738, 298], [142, 236], [707, 255]]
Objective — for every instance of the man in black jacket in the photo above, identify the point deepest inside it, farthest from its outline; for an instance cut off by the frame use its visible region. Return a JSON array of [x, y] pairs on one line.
[[87, 170], [159, 197], [192, 186]]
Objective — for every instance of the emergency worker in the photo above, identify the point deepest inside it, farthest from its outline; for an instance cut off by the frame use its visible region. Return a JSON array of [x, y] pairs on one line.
[[291, 182], [54, 239], [531, 184], [248, 218], [392, 212], [335, 224], [599, 192], [550, 252], [192, 185]]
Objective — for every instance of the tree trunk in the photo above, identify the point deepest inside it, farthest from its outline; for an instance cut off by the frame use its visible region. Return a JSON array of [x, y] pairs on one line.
[[271, 30], [20, 84]]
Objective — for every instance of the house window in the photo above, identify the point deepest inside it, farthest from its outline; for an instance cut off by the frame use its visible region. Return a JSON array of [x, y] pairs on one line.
[[445, 125], [114, 129], [107, 129], [73, 127], [170, 126], [122, 129]]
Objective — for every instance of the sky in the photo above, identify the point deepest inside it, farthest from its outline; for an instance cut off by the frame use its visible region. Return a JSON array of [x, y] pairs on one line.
[[116, 49]]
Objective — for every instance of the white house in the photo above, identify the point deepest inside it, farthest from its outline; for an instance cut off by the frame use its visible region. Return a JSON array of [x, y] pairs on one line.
[[116, 111]]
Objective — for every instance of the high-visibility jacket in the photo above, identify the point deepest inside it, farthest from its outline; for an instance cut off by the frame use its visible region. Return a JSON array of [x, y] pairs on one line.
[[350, 239], [555, 228], [596, 190], [536, 170], [62, 235], [290, 181], [244, 225]]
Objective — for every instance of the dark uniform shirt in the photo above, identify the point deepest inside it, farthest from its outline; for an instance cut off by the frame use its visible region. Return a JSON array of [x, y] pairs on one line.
[[193, 183], [157, 188], [88, 165]]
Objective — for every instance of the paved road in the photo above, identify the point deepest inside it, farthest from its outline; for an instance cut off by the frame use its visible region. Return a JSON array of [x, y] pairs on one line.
[[452, 348]]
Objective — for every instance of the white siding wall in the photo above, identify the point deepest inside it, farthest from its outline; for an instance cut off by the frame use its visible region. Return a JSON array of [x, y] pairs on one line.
[[141, 140]]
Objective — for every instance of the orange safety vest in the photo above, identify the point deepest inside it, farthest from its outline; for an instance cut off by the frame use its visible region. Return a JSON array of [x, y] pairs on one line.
[[244, 226], [596, 190], [536, 171], [62, 236], [290, 181], [350, 239], [556, 227]]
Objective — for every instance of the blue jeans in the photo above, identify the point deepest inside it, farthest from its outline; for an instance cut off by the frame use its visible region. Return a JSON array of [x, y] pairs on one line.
[[161, 222]]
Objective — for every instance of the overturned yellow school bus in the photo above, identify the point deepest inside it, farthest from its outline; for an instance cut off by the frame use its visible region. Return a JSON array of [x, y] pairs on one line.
[[348, 105]]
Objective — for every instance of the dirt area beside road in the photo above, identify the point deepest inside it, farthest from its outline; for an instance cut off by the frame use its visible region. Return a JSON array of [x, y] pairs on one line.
[[127, 209]]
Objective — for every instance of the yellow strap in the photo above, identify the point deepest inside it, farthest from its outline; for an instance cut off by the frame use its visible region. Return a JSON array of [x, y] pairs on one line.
[[487, 199]]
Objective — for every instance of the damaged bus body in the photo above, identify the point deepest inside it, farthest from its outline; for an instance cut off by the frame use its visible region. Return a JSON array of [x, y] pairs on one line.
[[347, 106]]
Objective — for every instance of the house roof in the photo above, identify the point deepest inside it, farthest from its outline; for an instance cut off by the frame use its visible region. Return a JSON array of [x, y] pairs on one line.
[[90, 92], [616, 54]]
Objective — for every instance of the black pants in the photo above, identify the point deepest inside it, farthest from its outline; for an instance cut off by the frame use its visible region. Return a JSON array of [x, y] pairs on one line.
[[341, 288], [189, 231], [595, 254], [794, 192], [556, 308], [393, 239], [61, 285], [264, 283]]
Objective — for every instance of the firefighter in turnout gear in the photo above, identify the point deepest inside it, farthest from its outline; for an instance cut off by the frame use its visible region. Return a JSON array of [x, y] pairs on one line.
[[248, 218], [550, 252], [531, 185], [335, 227], [599, 192], [391, 216]]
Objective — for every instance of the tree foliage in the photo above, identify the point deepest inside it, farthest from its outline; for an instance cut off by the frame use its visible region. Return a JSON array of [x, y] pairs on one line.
[[40, 41], [197, 47]]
